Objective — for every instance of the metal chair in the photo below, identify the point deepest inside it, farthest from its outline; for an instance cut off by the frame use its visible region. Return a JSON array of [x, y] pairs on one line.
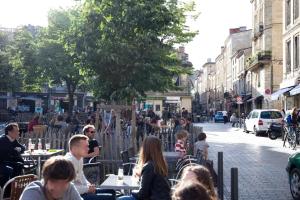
[[18, 184], [92, 172]]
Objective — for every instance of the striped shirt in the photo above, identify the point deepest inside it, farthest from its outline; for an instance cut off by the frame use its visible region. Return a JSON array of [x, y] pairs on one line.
[[179, 146]]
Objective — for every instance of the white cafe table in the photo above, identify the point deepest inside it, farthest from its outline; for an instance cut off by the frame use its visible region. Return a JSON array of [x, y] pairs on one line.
[[112, 182], [38, 154]]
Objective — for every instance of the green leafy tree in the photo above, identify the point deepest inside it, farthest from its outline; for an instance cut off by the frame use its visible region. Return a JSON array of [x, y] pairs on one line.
[[57, 59], [10, 79], [130, 45]]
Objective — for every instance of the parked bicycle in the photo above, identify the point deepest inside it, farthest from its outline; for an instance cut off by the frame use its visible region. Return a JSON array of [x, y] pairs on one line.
[[291, 134]]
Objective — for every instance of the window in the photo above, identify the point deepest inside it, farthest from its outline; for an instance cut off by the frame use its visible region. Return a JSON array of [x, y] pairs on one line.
[[288, 56], [254, 115], [296, 9], [288, 12], [296, 52], [270, 115]]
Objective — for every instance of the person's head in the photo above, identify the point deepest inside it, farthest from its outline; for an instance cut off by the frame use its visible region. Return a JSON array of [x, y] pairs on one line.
[[201, 174], [57, 174], [183, 109], [182, 121], [151, 151], [60, 118], [36, 118], [79, 145], [89, 130], [201, 136], [182, 135], [191, 190], [12, 130], [294, 110]]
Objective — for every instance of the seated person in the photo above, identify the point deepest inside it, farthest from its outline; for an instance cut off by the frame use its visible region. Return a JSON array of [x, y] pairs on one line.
[[180, 146], [79, 146], [33, 122], [56, 184], [11, 161], [153, 171], [60, 122], [201, 146], [192, 190], [94, 150]]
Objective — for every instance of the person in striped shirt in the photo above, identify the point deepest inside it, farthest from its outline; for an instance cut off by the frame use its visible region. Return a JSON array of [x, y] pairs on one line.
[[181, 138]]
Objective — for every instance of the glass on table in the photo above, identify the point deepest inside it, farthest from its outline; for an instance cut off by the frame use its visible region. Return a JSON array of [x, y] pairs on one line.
[[120, 174], [47, 145]]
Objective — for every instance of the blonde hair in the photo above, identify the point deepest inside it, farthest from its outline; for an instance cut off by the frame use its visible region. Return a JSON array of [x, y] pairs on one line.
[[151, 151]]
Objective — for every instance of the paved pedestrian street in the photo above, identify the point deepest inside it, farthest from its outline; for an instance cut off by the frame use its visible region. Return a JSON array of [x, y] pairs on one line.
[[261, 162]]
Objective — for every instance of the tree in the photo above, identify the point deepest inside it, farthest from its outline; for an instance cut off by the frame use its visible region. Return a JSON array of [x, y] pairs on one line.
[[57, 59], [130, 45], [23, 58], [10, 79]]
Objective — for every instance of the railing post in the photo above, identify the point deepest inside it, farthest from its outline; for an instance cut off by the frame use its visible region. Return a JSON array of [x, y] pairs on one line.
[[234, 184], [220, 176]]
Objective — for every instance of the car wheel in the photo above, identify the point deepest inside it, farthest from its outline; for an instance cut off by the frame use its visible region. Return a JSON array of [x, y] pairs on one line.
[[295, 183], [271, 135], [255, 131]]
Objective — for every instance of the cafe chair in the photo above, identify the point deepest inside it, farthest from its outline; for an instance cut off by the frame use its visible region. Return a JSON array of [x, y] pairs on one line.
[[92, 172], [17, 184]]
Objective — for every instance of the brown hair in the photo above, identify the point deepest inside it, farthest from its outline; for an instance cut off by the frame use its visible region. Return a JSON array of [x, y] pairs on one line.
[[203, 176], [191, 190], [201, 136], [151, 151], [181, 134], [58, 168], [75, 139]]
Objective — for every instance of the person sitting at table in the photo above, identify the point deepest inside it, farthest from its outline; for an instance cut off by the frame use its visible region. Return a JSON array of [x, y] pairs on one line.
[[153, 171], [79, 146], [33, 122], [58, 173], [11, 161], [180, 146], [94, 149]]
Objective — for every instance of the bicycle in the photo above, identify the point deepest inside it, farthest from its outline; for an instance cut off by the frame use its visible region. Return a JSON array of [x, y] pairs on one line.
[[291, 135]]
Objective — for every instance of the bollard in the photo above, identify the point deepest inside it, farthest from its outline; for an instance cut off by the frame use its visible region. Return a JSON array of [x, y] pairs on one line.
[[220, 176], [234, 184]]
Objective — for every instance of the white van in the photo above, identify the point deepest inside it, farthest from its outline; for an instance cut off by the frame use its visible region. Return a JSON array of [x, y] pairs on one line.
[[258, 121]]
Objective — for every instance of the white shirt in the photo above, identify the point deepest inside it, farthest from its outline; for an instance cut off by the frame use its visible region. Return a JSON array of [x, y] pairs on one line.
[[80, 181]]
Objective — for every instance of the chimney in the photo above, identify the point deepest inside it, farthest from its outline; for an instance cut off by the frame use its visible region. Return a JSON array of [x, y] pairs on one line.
[[208, 60]]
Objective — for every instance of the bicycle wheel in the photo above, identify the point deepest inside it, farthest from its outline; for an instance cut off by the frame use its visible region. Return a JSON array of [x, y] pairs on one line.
[[292, 139]]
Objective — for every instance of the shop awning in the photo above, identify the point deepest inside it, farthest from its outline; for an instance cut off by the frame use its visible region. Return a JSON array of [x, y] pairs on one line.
[[280, 92], [295, 91]]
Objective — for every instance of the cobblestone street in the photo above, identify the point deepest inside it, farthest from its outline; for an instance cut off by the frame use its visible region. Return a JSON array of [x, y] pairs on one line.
[[261, 162]]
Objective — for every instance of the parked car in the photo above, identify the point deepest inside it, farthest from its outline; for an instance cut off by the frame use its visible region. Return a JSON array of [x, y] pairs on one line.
[[219, 116], [258, 121], [293, 170]]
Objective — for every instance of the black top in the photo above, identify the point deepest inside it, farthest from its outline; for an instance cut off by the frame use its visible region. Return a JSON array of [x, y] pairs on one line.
[[153, 186], [9, 152], [92, 144]]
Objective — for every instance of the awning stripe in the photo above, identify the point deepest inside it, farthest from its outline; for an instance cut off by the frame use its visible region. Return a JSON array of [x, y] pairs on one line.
[[280, 92]]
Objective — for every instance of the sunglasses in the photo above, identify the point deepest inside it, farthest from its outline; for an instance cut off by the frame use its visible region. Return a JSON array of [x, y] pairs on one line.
[[91, 131]]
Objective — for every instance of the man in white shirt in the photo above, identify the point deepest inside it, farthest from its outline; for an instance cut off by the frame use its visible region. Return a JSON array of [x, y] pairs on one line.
[[79, 146]]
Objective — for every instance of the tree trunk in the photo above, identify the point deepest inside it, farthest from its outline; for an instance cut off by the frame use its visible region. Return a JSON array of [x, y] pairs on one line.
[[71, 90]]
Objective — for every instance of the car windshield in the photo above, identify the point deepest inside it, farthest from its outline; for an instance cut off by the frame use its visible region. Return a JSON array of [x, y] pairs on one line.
[[219, 113], [270, 115]]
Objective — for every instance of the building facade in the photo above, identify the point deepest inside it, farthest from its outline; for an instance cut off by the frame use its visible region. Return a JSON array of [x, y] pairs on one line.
[[289, 89], [265, 65]]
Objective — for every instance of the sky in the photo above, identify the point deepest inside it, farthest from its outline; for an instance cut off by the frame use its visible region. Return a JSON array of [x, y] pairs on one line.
[[213, 24]]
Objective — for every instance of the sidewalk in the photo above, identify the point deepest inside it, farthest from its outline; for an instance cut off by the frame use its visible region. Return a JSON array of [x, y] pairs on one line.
[[261, 162]]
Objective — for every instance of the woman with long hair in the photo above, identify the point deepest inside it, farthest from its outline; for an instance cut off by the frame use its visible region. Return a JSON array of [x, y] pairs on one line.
[[153, 171], [199, 174]]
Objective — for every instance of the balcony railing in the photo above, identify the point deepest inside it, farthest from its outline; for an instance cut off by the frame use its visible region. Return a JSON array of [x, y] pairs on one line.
[[259, 58]]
